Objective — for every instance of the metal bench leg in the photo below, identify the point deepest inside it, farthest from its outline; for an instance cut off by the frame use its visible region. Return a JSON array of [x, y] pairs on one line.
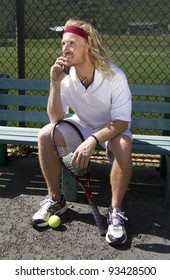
[[3, 154], [167, 199], [163, 167], [68, 186]]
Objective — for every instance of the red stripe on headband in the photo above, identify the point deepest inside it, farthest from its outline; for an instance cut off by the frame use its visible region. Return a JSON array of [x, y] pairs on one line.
[[76, 30]]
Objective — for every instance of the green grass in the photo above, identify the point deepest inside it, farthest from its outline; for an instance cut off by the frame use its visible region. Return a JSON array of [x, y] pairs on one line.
[[144, 59]]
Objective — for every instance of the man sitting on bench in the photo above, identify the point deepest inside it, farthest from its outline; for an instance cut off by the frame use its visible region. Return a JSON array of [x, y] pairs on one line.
[[98, 93]]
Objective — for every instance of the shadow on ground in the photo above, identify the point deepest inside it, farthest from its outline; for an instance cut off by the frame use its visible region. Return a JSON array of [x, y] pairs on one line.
[[22, 187]]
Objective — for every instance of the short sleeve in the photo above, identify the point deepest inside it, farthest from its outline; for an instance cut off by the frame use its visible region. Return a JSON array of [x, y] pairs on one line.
[[121, 104]]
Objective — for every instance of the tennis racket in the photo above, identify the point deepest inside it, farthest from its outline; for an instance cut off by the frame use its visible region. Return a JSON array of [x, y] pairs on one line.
[[64, 151]]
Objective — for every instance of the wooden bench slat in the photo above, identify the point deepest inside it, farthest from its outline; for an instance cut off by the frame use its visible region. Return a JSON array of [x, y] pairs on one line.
[[150, 90], [24, 84], [153, 138], [24, 116], [23, 100], [19, 132], [151, 146], [13, 129], [146, 149], [151, 107], [151, 123], [19, 140]]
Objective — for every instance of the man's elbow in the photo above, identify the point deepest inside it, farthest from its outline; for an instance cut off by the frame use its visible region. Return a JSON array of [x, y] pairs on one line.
[[55, 118]]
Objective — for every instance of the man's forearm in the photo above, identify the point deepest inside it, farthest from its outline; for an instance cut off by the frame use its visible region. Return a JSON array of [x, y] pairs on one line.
[[54, 106], [111, 130]]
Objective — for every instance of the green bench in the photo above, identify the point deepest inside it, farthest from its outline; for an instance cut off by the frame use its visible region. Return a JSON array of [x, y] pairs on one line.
[[17, 107]]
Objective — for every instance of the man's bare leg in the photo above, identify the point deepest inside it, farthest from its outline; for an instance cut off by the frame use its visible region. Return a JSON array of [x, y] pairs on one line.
[[121, 171], [49, 164], [54, 203], [119, 178]]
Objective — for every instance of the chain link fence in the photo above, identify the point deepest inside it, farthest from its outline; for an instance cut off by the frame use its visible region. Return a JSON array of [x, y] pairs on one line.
[[136, 33]]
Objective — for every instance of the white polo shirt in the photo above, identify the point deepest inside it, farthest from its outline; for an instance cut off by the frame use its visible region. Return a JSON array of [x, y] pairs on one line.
[[105, 100]]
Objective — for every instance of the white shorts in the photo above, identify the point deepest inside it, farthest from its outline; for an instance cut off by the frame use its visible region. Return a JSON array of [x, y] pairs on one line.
[[87, 131]]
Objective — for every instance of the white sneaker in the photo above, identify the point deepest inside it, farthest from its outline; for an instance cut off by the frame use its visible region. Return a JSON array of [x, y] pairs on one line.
[[116, 233], [48, 207]]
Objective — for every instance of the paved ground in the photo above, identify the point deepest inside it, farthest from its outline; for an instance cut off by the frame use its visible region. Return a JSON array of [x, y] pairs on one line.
[[22, 187]]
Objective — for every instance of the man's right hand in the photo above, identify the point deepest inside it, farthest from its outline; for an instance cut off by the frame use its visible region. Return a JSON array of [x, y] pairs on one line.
[[56, 72]]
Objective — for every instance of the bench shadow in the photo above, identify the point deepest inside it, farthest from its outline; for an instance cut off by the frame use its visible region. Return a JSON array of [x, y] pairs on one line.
[[73, 215], [143, 205], [23, 176], [154, 247]]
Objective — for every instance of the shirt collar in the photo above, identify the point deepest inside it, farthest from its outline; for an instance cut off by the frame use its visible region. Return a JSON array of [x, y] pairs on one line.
[[98, 78]]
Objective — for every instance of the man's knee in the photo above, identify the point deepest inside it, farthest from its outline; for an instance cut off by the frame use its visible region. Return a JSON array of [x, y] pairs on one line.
[[120, 148], [44, 134], [121, 143]]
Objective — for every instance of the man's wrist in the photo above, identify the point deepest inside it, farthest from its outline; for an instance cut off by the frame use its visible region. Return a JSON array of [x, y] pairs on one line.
[[97, 141]]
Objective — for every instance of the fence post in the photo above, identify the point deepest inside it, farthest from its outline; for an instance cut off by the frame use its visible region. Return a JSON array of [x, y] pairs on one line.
[[3, 147], [163, 161], [20, 38], [20, 45]]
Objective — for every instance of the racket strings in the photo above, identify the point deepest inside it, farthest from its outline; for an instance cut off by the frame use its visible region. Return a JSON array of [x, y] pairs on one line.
[[65, 147], [60, 143]]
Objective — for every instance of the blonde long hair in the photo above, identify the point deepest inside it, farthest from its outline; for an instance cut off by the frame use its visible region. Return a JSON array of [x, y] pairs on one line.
[[97, 53]]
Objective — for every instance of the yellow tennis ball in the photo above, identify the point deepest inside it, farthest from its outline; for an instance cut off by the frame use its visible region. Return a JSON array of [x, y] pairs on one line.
[[54, 221]]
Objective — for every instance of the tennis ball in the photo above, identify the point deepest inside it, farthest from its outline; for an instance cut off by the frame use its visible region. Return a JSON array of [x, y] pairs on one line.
[[54, 221]]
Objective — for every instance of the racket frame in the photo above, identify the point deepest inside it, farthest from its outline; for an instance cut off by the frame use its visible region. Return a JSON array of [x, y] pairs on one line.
[[86, 189]]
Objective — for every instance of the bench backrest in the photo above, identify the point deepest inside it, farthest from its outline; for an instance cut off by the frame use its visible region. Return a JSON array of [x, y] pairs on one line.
[[30, 108], [150, 106]]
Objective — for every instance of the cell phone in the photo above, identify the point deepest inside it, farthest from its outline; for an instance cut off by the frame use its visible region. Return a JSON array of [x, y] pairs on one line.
[[66, 69]]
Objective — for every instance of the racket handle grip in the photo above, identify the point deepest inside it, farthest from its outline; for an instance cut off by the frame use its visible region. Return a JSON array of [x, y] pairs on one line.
[[97, 218]]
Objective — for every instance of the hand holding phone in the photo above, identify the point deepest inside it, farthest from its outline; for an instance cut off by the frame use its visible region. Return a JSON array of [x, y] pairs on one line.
[[65, 69]]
